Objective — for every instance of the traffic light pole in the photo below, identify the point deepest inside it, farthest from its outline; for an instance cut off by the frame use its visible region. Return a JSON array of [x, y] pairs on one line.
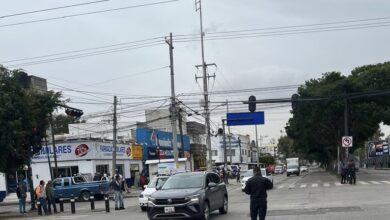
[[114, 139]]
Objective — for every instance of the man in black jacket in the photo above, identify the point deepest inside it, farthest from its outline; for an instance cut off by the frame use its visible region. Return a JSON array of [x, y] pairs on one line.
[[257, 187]]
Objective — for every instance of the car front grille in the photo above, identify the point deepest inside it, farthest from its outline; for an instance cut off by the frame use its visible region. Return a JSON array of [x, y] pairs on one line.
[[173, 201]]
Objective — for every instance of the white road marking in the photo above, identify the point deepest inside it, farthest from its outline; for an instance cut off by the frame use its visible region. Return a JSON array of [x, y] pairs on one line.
[[338, 184], [291, 186], [303, 186], [281, 186], [314, 185], [387, 182], [375, 182], [363, 183], [326, 184]]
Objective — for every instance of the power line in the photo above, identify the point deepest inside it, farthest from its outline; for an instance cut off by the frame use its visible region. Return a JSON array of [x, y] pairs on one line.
[[51, 9], [86, 13]]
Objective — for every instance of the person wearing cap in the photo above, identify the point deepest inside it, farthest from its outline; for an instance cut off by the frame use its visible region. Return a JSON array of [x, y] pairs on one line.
[[257, 187]]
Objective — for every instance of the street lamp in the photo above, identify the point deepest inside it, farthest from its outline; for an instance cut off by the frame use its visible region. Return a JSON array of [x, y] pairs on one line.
[[25, 168]]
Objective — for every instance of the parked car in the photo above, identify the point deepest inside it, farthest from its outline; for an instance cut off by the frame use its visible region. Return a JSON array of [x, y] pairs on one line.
[[154, 183], [78, 187], [189, 195], [246, 175]]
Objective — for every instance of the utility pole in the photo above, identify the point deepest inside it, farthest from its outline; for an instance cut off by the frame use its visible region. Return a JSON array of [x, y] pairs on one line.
[[114, 140], [198, 5], [173, 102], [346, 124], [225, 151], [48, 158], [229, 135]]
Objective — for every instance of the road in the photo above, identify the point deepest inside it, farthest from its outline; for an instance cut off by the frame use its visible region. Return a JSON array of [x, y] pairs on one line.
[[316, 195]]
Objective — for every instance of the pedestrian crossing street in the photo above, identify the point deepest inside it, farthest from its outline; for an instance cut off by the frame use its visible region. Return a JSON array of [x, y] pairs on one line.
[[328, 184]]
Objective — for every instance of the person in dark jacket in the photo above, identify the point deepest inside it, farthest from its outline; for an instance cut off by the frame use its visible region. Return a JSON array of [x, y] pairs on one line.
[[22, 195], [351, 172], [343, 173], [257, 187], [50, 197]]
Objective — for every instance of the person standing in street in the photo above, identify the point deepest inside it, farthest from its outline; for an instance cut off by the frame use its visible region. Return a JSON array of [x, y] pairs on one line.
[[257, 187], [40, 192], [50, 197], [116, 187], [343, 173], [21, 193], [238, 177], [351, 172]]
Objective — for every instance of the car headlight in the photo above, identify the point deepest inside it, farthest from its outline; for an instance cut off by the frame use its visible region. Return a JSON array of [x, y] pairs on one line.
[[193, 198]]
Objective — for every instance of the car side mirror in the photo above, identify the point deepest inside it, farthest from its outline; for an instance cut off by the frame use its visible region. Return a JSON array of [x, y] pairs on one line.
[[211, 185]]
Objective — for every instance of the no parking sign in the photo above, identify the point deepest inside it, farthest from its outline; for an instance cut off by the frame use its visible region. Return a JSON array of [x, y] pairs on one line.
[[347, 141]]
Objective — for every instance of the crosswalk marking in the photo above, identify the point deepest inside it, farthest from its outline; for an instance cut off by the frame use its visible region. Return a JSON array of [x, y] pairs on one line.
[[326, 184], [375, 182], [291, 186], [337, 184], [363, 183], [281, 186], [303, 186], [387, 182], [314, 185]]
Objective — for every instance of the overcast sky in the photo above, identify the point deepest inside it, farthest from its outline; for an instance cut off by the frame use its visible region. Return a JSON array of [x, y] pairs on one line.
[[242, 63]]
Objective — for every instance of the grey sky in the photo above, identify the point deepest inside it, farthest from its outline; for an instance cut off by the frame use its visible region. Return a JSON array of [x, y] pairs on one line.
[[242, 63]]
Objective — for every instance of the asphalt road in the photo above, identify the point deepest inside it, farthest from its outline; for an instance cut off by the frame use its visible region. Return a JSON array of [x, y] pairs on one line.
[[316, 195]]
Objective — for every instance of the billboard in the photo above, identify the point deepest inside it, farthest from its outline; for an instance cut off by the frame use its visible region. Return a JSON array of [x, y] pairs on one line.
[[378, 148]]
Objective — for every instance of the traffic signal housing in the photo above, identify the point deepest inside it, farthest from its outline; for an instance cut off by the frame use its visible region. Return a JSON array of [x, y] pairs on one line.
[[252, 103], [74, 113]]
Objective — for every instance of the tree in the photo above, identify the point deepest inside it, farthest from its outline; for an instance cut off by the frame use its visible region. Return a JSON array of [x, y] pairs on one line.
[[318, 125], [286, 147], [61, 122], [23, 118]]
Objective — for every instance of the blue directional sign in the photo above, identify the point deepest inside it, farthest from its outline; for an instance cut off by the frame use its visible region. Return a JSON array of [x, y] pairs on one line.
[[245, 118]]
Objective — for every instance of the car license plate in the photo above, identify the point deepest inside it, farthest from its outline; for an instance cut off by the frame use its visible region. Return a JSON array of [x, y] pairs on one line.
[[169, 209]]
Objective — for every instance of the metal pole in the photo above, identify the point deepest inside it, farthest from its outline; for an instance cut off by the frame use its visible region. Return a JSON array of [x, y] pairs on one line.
[[225, 151], [114, 140], [346, 123], [173, 102], [48, 158], [54, 147], [229, 135], [257, 148], [205, 91]]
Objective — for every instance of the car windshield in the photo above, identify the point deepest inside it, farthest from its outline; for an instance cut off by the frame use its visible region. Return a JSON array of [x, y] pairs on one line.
[[292, 167], [157, 182], [247, 173], [184, 182], [278, 167]]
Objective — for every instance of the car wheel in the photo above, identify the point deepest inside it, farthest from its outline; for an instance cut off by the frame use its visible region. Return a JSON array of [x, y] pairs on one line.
[[84, 196], [225, 207], [143, 208], [206, 211]]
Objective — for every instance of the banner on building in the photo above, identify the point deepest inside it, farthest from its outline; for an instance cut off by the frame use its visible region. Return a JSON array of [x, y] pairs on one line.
[[378, 148]]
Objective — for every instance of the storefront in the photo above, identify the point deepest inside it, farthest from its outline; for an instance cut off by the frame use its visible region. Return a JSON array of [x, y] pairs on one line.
[[88, 158]]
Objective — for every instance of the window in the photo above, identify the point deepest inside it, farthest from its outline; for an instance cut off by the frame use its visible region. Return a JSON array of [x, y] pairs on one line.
[[102, 169], [215, 178], [66, 182], [57, 183], [230, 152], [214, 153], [78, 179]]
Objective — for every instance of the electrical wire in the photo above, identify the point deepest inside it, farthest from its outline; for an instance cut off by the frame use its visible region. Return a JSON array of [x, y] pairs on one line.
[[87, 13], [51, 9]]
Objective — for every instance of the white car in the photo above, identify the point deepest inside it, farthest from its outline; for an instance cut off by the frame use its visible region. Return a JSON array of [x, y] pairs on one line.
[[154, 183], [304, 169], [246, 175]]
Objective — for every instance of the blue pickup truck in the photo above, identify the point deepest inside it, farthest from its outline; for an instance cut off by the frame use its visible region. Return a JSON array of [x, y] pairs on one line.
[[78, 187]]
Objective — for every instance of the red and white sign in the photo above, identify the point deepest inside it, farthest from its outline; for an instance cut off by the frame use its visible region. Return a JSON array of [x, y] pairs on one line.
[[81, 150], [347, 141]]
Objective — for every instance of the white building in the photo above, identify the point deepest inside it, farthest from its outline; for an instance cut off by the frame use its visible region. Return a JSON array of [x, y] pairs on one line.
[[87, 157], [239, 149]]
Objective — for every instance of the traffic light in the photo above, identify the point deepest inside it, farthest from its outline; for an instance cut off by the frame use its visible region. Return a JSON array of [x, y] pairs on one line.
[[252, 103], [74, 113]]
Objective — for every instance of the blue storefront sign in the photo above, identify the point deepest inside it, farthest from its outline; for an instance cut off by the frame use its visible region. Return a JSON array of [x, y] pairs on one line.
[[150, 139]]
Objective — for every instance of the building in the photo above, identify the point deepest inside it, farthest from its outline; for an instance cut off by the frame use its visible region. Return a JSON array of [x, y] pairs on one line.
[[86, 157], [197, 133]]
